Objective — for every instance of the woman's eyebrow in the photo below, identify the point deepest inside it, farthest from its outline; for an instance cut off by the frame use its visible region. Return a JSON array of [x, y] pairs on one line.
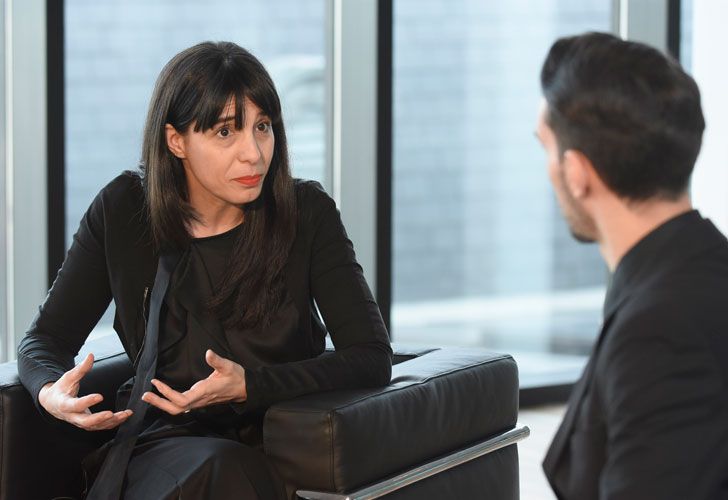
[[223, 119], [229, 118]]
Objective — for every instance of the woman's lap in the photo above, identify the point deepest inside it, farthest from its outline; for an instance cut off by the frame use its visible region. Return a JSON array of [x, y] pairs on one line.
[[190, 467]]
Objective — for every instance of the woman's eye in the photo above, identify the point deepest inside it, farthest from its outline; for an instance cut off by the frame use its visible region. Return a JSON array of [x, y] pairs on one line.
[[264, 127], [223, 132]]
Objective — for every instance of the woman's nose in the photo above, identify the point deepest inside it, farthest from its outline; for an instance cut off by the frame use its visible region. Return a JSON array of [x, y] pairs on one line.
[[248, 148]]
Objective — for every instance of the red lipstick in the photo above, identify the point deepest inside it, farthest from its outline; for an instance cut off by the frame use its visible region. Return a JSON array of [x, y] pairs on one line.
[[249, 180]]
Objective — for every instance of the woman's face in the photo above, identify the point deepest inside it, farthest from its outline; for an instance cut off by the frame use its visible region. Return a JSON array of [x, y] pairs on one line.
[[225, 166]]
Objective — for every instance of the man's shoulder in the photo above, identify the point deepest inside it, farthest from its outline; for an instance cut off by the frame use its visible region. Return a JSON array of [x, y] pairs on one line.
[[662, 324], [694, 287], [672, 305]]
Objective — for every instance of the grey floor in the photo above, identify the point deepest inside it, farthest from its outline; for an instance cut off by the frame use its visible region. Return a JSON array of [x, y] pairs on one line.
[[543, 422]]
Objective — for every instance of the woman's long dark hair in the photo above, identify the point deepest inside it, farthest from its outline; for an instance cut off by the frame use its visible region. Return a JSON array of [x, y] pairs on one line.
[[194, 88]]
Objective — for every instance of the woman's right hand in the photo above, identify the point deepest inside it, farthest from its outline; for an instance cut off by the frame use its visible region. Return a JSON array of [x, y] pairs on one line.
[[60, 399]]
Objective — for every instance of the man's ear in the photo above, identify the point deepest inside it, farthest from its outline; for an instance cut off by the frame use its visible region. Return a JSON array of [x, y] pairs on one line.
[[175, 141], [578, 170]]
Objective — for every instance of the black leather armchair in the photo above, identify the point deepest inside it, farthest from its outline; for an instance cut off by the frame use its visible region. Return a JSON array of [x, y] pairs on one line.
[[445, 427]]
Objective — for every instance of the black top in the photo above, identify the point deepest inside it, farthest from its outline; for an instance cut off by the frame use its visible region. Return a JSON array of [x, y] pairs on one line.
[[182, 346], [215, 252], [112, 257], [649, 416]]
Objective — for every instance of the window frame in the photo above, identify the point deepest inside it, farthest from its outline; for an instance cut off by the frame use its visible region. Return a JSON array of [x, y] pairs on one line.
[[25, 219]]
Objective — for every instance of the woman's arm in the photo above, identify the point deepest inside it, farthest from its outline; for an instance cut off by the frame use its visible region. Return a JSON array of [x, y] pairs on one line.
[[363, 356], [79, 296]]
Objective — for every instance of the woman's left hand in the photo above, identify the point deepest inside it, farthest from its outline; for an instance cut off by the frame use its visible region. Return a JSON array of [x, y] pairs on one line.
[[225, 384]]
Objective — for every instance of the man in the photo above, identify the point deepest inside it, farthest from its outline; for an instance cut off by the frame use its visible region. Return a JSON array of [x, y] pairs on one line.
[[622, 126]]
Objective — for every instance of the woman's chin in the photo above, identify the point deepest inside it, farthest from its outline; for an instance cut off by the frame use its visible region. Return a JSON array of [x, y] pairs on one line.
[[250, 196]]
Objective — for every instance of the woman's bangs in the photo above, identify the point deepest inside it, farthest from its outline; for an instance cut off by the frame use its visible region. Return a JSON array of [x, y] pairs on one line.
[[264, 96], [216, 96]]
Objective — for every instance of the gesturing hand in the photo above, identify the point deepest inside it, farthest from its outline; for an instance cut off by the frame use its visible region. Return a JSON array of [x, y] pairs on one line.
[[60, 399], [225, 384]]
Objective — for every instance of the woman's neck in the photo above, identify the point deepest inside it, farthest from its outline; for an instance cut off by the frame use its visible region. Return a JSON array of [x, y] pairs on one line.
[[215, 220]]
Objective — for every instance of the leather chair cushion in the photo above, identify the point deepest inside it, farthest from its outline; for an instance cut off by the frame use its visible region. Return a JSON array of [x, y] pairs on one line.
[[436, 403]]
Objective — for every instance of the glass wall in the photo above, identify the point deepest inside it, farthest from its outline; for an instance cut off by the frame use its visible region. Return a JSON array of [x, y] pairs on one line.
[[686, 34], [481, 254], [4, 325], [115, 50]]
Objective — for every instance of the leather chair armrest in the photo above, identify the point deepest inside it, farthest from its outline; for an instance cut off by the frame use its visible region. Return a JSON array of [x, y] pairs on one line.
[[437, 402], [40, 456]]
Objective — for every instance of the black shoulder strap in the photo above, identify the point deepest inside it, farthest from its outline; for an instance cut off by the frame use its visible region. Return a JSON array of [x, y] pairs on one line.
[[108, 483]]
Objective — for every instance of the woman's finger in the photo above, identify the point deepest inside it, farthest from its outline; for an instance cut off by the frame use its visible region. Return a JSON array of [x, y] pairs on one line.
[[217, 362], [78, 405], [90, 420], [75, 374], [203, 392], [118, 419], [163, 404], [175, 397], [103, 420], [219, 387]]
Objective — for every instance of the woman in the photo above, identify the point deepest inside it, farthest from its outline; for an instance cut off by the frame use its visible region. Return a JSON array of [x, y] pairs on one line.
[[244, 255]]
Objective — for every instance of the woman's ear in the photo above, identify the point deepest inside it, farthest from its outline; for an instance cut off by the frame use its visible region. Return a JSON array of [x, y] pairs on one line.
[[175, 141], [577, 170]]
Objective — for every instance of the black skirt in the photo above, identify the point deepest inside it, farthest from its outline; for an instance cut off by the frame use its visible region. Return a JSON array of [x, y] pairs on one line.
[[182, 458]]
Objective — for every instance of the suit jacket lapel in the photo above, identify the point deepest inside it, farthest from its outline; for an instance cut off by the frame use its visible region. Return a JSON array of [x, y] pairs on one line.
[[561, 438]]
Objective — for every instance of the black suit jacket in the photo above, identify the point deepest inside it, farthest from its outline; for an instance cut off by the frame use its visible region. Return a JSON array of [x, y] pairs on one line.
[[112, 258], [649, 417]]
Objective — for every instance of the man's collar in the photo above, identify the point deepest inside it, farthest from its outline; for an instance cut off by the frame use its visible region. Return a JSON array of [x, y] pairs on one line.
[[651, 254]]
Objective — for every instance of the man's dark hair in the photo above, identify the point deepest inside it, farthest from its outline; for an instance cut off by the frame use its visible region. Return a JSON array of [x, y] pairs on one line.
[[629, 108]]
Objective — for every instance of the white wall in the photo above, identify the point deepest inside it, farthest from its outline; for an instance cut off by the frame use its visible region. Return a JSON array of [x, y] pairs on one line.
[[710, 39], [26, 274]]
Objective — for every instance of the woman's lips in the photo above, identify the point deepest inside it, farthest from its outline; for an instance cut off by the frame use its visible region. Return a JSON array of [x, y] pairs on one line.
[[249, 180]]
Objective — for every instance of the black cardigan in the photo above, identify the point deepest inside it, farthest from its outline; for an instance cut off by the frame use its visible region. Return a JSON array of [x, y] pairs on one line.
[[112, 257]]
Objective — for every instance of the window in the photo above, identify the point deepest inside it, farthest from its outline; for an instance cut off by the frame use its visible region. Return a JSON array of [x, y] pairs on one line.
[[5, 325], [481, 255], [704, 38], [686, 34], [114, 52]]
